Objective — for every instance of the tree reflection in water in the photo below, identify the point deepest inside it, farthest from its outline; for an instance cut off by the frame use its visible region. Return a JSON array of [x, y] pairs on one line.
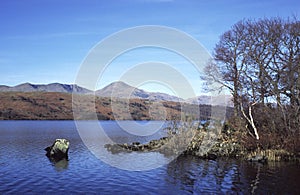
[[196, 175]]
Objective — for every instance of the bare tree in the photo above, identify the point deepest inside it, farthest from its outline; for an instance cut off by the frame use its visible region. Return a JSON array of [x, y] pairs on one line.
[[259, 62], [228, 62]]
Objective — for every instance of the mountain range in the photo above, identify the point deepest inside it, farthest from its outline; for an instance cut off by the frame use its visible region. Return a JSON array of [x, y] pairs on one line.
[[53, 87], [117, 89], [120, 89]]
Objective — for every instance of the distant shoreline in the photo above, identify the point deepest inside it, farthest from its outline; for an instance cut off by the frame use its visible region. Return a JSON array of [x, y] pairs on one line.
[[58, 106]]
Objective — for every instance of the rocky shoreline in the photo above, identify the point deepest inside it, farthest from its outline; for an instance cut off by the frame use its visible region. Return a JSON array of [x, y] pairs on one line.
[[153, 145], [219, 148]]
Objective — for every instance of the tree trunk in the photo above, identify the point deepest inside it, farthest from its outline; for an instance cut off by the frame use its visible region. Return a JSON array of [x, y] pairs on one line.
[[250, 119]]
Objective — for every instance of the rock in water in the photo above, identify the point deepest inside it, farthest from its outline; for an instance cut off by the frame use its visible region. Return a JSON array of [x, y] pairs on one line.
[[258, 158], [58, 150]]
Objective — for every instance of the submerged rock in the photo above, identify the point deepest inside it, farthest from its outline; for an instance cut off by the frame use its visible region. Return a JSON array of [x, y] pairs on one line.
[[61, 164], [58, 150], [258, 158]]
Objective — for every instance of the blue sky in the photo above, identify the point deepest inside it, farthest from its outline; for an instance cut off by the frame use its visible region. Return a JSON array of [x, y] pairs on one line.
[[44, 41]]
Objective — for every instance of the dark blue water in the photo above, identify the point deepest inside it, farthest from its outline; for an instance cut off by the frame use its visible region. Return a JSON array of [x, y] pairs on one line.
[[24, 168]]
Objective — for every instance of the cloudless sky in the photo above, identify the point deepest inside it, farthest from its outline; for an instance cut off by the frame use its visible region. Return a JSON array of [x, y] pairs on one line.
[[45, 41]]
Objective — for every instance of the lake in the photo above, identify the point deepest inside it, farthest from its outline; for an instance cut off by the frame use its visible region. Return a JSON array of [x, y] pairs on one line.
[[24, 168]]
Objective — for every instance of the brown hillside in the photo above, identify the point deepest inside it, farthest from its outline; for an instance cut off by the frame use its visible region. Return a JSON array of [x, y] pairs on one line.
[[58, 106]]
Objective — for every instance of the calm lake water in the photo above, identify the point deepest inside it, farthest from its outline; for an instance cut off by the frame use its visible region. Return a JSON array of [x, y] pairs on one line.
[[24, 168]]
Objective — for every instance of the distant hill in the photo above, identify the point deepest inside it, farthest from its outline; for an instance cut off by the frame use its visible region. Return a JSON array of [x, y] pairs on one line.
[[221, 100], [53, 87], [118, 89], [58, 106]]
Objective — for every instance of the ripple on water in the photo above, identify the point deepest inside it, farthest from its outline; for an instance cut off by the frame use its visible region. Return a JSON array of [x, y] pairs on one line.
[[24, 168]]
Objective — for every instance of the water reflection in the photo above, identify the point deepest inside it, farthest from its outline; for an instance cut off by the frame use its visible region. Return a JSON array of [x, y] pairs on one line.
[[59, 165], [23, 169], [256, 180], [193, 174], [267, 178], [179, 173]]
